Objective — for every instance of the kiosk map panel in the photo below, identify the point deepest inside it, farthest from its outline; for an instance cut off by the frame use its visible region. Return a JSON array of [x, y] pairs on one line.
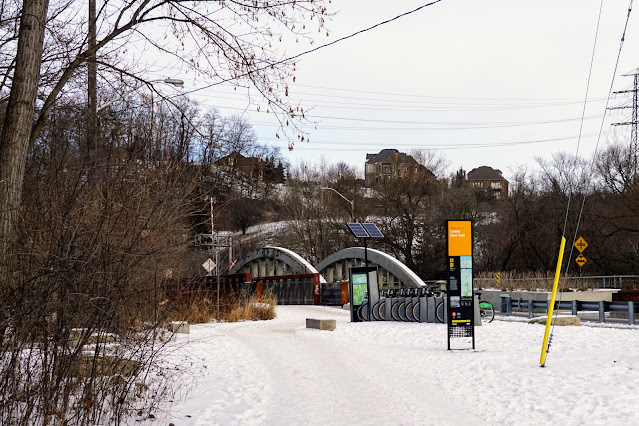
[[459, 285]]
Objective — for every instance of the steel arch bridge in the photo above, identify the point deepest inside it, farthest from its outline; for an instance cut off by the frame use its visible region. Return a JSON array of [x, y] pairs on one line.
[[274, 261], [390, 270], [278, 261]]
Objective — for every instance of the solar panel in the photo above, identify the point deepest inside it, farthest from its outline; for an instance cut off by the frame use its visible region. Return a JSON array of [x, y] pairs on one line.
[[373, 230], [358, 230]]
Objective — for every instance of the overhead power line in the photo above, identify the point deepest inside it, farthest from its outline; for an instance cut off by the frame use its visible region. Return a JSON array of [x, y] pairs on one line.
[[412, 95], [545, 348], [388, 104], [299, 55], [319, 145]]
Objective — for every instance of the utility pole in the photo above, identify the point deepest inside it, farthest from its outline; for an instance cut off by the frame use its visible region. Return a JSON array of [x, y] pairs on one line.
[[634, 147]]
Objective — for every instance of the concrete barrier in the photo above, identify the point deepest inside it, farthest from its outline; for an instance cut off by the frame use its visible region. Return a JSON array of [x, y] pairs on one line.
[[558, 320], [180, 327], [321, 324]]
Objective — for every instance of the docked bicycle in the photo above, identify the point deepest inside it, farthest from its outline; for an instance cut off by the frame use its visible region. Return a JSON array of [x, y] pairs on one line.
[[486, 310]]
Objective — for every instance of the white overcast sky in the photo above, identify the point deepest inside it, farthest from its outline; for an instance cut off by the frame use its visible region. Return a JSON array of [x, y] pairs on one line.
[[495, 83]]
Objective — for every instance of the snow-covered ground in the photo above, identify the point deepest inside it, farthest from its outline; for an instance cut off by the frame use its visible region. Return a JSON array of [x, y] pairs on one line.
[[280, 373]]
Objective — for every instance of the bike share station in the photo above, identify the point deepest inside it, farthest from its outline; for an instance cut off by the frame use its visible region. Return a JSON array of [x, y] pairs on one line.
[[460, 311]]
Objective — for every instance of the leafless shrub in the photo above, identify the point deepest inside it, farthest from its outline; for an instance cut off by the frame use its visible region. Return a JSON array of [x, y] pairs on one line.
[[250, 307], [80, 322]]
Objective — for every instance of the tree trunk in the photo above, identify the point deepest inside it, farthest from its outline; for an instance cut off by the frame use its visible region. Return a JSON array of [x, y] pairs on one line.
[[92, 86], [18, 121]]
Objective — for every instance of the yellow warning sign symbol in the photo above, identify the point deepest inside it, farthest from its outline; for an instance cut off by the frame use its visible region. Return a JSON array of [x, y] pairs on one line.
[[581, 245], [581, 259]]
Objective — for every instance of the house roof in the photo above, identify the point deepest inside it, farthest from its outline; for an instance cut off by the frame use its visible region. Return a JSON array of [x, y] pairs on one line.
[[485, 173], [389, 156]]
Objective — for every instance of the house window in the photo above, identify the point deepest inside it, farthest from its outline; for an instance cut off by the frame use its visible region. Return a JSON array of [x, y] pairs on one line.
[[495, 185], [477, 185]]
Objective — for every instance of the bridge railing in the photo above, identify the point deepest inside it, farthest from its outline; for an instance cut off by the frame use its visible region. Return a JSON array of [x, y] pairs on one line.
[[507, 304], [297, 289], [510, 280]]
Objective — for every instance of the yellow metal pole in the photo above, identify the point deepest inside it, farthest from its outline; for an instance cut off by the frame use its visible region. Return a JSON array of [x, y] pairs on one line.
[[551, 308]]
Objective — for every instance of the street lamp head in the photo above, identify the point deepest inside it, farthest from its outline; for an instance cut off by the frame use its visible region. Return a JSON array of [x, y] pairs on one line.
[[351, 202], [174, 81]]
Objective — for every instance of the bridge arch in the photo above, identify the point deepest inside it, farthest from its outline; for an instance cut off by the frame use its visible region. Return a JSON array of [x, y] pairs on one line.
[[335, 267], [274, 261]]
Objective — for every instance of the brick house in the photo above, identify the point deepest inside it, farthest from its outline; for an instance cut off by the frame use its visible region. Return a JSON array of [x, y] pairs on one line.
[[253, 168], [390, 164], [489, 182]]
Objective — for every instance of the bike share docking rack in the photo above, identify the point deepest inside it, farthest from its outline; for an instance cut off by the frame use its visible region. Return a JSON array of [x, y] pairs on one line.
[[406, 305]]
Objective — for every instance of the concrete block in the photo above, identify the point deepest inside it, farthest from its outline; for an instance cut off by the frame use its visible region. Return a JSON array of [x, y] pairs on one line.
[[321, 324], [181, 327], [560, 320]]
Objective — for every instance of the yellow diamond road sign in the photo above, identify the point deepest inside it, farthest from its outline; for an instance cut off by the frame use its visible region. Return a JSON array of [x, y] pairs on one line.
[[580, 260], [581, 245]]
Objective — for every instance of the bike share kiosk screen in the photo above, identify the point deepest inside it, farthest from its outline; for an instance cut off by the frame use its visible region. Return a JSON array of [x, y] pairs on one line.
[[459, 286], [363, 282]]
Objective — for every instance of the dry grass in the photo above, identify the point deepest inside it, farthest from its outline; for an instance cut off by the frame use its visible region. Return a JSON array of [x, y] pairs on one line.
[[198, 306], [250, 308]]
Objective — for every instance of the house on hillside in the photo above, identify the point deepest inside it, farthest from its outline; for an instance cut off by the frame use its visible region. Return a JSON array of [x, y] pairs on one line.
[[390, 164], [488, 182], [254, 168]]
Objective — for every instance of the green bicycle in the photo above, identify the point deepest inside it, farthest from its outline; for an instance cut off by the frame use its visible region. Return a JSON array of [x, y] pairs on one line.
[[486, 310]]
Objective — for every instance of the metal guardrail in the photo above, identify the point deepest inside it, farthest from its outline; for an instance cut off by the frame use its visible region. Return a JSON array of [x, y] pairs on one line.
[[507, 303], [594, 281]]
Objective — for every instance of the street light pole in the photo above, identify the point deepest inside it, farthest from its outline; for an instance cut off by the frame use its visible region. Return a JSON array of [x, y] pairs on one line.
[[352, 203], [173, 81]]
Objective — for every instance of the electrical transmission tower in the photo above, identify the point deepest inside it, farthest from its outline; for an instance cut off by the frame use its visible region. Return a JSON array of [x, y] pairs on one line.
[[634, 148]]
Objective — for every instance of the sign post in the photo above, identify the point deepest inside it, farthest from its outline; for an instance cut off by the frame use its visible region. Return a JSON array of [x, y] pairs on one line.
[[209, 265], [460, 300]]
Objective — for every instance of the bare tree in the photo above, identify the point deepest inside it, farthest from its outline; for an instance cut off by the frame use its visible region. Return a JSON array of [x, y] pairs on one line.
[[615, 166], [565, 173], [225, 41], [18, 121], [406, 209], [80, 325]]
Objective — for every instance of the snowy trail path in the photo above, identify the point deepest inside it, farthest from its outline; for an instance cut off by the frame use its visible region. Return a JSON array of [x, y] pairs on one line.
[[313, 376], [280, 373]]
